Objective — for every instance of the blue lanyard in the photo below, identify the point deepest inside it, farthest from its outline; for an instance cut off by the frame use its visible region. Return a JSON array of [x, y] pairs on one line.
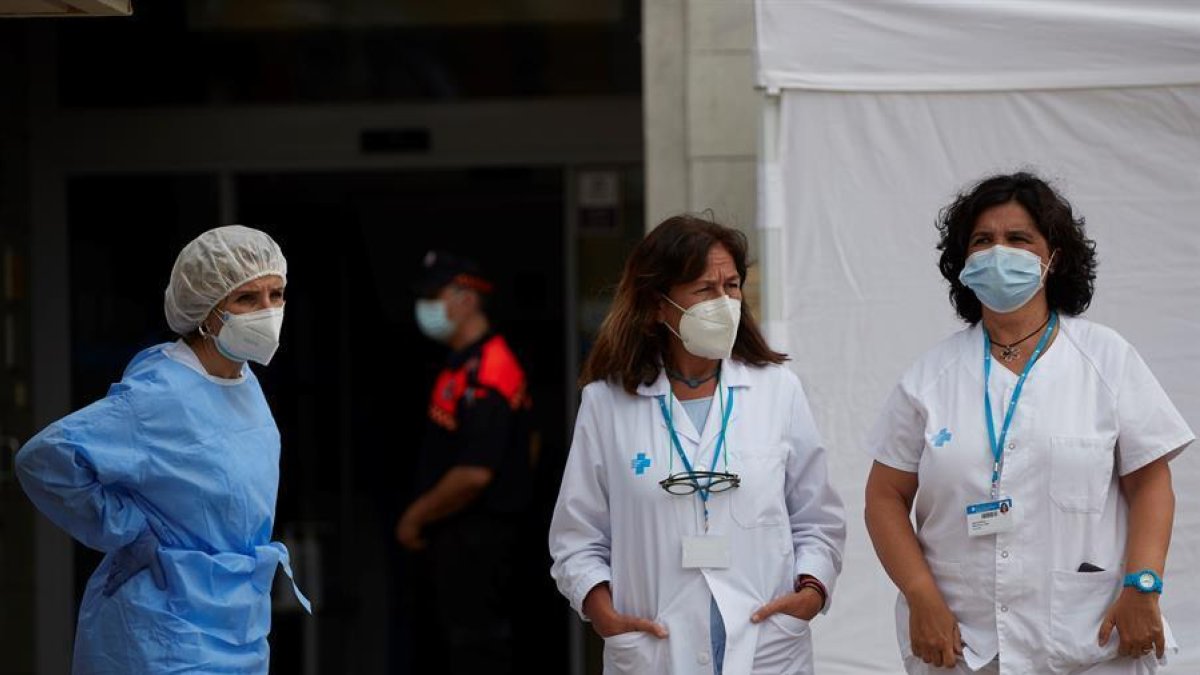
[[725, 412], [998, 444]]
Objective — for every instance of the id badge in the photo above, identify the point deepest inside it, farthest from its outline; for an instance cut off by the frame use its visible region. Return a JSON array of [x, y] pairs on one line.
[[712, 551], [987, 518]]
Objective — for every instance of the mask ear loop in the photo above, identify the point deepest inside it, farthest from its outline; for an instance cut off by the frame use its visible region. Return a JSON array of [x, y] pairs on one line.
[[673, 331], [676, 304], [203, 328], [1046, 271], [681, 311], [1049, 265]]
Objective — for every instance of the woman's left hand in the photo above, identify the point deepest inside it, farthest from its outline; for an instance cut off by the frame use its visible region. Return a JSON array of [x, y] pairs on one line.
[[1138, 622], [803, 605]]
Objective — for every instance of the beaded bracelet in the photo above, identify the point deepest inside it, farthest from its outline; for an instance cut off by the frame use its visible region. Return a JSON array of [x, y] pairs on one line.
[[805, 581]]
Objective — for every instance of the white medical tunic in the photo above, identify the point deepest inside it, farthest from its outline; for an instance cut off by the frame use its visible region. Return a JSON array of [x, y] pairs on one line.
[[1090, 411], [614, 523]]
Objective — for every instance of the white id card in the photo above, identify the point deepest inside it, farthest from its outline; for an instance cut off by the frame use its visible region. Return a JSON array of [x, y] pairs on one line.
[[987, 518], [706, 551]]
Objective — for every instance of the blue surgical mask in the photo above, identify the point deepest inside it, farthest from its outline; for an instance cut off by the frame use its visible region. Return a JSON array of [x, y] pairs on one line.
[[432, 320], [1004, 278]]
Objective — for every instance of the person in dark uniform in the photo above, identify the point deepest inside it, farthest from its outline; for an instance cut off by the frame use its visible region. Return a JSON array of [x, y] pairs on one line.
[[475, 474]]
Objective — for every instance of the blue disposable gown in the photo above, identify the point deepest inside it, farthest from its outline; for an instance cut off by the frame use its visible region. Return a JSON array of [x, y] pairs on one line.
[[197, 462]]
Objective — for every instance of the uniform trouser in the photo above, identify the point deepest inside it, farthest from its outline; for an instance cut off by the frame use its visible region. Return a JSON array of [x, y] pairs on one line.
[[472, 573]]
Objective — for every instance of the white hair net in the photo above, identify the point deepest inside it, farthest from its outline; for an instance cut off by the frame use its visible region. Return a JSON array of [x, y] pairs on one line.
[[212, 266]]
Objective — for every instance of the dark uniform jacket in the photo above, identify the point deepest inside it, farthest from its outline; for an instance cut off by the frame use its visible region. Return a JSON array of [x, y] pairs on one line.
[[479, 416]]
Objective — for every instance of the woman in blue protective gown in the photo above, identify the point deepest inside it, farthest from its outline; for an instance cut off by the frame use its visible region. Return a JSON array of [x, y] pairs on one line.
[[173, 475]]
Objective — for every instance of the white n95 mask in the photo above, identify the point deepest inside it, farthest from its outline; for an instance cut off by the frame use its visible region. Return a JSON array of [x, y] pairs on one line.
[[1004, 278], [253, 336], [708, 329]]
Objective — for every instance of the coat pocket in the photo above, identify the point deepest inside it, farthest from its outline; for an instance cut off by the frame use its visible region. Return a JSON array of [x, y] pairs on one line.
[[970, 604], [1078, 602], [1081, 471], [790, 624], [784, 646], [630, 653], [758, 501]]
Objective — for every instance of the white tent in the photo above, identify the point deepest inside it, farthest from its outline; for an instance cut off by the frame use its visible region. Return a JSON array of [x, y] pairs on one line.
[[880, 113]]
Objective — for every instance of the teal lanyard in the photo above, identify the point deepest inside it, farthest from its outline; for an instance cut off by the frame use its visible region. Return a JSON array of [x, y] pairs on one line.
[[998, 444], [687, 464]]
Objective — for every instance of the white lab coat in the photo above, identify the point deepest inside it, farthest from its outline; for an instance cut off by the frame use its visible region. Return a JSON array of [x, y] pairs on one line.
[[1090, 411], [613, 524]]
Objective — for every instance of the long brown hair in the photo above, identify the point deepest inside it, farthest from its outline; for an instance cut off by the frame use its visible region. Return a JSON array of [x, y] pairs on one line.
[[631, 343]]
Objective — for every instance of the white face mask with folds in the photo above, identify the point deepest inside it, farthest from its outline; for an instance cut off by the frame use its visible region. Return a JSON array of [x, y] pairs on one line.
[[253, 336], [708, 329]]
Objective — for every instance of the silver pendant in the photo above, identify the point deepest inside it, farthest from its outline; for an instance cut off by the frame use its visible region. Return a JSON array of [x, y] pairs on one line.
[[1010, 354]]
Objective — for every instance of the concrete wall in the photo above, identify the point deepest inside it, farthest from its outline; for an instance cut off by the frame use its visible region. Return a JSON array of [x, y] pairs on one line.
[[702, 112], [701, 108]]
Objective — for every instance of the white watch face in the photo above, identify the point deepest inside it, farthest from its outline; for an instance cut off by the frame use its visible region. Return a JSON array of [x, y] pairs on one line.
[[1146, 581]]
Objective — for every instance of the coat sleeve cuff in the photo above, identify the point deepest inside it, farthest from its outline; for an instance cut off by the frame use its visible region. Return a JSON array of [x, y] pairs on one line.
[[585, 584], [823, 570]]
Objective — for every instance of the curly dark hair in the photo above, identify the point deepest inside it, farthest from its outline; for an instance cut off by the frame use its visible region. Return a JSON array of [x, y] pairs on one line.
[[1070, 281]]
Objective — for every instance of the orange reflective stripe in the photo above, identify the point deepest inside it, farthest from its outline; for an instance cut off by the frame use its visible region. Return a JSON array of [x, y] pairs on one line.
[[495, 369], [442, 418], [447, 391], [499, 370]]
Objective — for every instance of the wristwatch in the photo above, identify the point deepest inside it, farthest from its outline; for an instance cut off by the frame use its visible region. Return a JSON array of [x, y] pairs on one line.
[[1145, 581]]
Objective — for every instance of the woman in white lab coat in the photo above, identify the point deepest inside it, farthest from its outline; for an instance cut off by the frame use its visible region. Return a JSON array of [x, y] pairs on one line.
[[696, 527], [1033, 446]]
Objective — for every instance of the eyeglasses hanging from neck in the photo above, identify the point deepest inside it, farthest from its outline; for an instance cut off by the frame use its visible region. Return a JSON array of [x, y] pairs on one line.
[[691, 481]]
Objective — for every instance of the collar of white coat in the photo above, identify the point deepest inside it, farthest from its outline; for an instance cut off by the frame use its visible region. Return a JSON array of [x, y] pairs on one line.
[[734, 375]]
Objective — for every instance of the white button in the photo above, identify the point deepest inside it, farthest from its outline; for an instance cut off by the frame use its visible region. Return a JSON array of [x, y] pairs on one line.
[[703, 658], [1003, 554], [1011, 446], [1003, 608]]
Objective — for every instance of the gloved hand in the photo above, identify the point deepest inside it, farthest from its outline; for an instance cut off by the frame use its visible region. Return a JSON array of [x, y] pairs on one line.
[[133, 558]]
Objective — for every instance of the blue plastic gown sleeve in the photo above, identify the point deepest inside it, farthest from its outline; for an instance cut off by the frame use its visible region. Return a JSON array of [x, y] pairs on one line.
[[78, 471]]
